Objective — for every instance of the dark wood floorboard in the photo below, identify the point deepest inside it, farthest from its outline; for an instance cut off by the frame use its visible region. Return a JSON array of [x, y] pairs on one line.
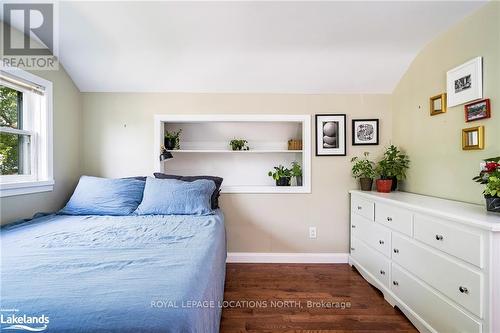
[[298, 284]]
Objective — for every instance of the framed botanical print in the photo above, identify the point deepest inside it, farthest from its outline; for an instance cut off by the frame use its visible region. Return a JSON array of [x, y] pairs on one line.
[[330, 135], [364, 132], [477, 110], [465, 82]]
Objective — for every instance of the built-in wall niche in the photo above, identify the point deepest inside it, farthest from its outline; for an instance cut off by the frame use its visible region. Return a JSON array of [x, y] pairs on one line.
[[205, 150]]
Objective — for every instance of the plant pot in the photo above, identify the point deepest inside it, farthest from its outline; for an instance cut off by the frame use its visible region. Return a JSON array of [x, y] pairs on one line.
[[384, 185], [169, 143], [366, 184], [492, 204], [394, 185], [285, 181], [298, 179]]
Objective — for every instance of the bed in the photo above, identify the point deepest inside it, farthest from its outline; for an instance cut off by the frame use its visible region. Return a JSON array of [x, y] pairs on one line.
[[150, 273]]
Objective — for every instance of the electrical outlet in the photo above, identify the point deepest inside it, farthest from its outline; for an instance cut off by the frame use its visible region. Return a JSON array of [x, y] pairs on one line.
[[312, 232]]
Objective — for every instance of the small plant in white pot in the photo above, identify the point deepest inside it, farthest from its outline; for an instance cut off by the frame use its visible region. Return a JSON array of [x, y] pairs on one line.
[[239, 144], [297, 173], [364, 169]]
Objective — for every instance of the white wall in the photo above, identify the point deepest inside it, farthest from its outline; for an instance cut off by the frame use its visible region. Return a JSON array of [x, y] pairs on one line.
[[118, 142], [67, 113]]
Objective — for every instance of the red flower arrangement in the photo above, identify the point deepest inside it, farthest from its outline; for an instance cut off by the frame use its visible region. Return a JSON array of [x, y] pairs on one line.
[[490, 176], [491, 168]]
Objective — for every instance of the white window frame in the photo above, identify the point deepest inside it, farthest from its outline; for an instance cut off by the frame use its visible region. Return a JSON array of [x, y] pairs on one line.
[[41, 178]]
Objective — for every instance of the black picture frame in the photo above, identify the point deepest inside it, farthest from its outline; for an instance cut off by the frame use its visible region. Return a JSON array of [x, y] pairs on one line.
[[353, 132], [342, 149]]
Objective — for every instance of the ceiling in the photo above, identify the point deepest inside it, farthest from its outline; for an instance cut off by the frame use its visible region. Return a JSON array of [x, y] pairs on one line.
[[268, 47]]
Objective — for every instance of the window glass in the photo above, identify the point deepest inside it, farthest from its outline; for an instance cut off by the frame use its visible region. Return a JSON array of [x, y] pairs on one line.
[[15, 151], [15, 147], [10, 107]]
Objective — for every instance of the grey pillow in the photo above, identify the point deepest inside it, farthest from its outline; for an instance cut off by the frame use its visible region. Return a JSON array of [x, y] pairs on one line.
[[217, 180]]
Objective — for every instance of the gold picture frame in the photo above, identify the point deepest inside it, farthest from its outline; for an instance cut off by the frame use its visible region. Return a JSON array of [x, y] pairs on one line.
[[438, 104], [473, 138]]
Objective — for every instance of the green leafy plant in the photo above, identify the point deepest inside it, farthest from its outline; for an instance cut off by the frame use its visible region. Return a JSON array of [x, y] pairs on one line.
[[174, 137], [239, 144], [393, 164], [490, 176], [296, 170], [363, 167], [280, 172], [493, 187]]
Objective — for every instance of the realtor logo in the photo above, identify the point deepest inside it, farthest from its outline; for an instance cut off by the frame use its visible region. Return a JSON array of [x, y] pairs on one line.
[[29, 36], [22, 322]]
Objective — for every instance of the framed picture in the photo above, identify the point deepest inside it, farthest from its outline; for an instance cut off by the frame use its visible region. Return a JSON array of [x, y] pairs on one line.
[[477, 110], [364, 132], [473, 138], [330, 135], [465, 82], [438, 104]]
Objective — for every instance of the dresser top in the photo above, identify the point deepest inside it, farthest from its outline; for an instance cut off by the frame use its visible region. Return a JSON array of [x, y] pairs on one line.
[[466, 213]]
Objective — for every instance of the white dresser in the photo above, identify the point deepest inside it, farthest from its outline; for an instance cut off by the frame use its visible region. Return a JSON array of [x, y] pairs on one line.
[[437, 260]]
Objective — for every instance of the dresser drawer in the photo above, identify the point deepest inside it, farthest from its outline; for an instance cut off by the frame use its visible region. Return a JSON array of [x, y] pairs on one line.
[[372, 261], [372, 233], [450, 239], [395, 218], [459, 283], [430, 306], [362, 207]]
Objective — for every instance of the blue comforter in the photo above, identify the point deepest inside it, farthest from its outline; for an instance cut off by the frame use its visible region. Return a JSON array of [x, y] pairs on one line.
[[114, 274]]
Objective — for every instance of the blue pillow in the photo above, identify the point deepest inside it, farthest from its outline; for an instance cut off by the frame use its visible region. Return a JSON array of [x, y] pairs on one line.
[[104, 196], [176, 197]]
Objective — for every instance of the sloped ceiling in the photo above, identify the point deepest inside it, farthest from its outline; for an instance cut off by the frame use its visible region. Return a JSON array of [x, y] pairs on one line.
[[268, 47]]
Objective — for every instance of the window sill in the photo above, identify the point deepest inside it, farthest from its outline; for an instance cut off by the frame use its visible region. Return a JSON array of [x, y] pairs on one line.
[[20, 188]]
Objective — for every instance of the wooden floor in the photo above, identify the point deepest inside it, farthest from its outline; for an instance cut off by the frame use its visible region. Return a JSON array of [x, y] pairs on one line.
[[260, 284]]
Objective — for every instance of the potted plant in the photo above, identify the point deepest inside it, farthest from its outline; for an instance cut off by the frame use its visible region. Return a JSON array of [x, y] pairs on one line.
[[490, 176], [393, 166], [384, 183], [296, 172], [364, 170], [171, 140], [281, 175], [239, 144]]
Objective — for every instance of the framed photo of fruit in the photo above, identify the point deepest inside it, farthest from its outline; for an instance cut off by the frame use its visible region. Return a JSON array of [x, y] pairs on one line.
[[330, 135], [364, 132]]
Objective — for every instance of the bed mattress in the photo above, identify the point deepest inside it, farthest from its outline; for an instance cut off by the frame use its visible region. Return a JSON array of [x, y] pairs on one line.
[[63, 273]]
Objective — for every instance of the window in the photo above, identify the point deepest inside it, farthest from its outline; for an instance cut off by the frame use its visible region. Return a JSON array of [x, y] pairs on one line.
[[25, 133]]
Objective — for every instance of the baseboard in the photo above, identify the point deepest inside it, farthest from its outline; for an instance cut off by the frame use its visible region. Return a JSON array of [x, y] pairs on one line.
[[287, 258]]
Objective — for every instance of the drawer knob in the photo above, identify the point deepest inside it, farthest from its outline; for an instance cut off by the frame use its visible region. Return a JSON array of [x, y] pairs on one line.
[[463, 290], [381, 242], [389, 219], [353, 226], [396, 283], [396, 251], [352, 249], [360, 208], [439, 237], [382, 272]]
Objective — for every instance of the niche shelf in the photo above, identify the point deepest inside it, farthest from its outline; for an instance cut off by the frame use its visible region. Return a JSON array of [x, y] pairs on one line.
[[204, 149], [222, 151]]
